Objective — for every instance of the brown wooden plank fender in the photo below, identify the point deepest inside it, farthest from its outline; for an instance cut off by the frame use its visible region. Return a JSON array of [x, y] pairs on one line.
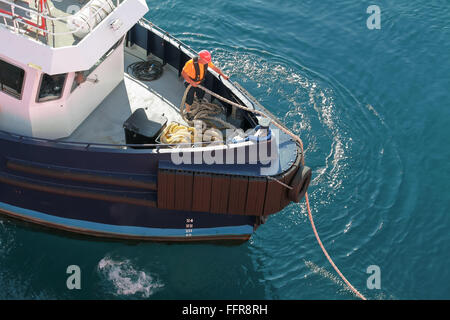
[[238, 195], [184, 182], [256, 198], [224, 194], [201, 189], [220, 192], [165, 188]]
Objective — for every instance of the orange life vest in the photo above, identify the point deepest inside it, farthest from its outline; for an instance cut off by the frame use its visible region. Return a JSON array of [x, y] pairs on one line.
[[196, 71]]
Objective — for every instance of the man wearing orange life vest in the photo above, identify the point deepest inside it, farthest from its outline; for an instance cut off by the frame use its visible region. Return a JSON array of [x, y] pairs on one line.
[[194, 72]]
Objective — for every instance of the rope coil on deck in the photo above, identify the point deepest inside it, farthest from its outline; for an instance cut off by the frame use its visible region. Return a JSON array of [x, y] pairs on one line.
[[150, 70], [300, 142], [201, 110]]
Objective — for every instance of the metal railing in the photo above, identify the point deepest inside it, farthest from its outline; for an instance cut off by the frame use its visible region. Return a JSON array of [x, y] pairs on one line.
[[167, 36], [90, 145], [24, 24]]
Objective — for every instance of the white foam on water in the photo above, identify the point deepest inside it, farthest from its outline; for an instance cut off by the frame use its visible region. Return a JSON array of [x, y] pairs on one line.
[[127, 280]]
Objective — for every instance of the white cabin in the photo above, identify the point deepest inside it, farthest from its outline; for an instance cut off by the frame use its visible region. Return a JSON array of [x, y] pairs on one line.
[[60, 60]]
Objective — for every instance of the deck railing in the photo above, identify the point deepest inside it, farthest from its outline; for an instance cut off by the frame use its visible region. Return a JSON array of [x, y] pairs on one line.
[[90, 145], [167, 36], [37, 23]]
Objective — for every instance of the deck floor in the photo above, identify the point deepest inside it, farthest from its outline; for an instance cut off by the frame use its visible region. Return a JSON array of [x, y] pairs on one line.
[[105, 124]]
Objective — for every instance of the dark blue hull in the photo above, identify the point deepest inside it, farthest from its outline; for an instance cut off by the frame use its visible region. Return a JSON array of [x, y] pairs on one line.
[[126, 193], [118, 229], [100, 208]]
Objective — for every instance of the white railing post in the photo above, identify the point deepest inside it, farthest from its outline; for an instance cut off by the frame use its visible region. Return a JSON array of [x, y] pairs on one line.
[[16, 28]]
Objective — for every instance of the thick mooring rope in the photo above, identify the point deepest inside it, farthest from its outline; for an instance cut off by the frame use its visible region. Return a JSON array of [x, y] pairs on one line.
[[300, 142], [204, 111], [326, 253]]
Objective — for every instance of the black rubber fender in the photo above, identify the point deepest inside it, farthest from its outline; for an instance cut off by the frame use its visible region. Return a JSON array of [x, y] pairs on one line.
[[300, 184]]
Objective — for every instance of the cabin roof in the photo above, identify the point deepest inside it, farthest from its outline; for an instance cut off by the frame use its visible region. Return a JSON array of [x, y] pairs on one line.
[[61, 38], [56, 23]]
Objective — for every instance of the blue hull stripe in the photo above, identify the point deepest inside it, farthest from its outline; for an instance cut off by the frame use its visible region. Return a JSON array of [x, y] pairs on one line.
[[126, 230]]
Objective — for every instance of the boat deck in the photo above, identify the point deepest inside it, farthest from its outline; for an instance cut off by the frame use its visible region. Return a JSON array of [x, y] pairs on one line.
[[163, 96]]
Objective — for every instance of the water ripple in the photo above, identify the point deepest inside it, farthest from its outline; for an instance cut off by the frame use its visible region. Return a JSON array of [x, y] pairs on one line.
[[348, 144]]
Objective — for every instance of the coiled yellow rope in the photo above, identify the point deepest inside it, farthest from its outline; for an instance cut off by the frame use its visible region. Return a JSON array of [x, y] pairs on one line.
[[176, 133]]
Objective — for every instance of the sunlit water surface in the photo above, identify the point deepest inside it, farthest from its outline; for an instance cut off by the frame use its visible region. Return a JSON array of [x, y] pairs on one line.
[[372, 107]]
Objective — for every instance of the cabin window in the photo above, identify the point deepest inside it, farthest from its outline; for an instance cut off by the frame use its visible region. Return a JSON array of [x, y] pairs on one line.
[[11, 79], [51, 87], [82, 76]]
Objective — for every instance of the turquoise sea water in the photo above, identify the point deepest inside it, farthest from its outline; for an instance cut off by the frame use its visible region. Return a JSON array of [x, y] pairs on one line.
[[373, 110]]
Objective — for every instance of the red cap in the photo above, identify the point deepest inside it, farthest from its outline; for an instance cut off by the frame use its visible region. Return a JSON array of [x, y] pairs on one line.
[[205, 55]]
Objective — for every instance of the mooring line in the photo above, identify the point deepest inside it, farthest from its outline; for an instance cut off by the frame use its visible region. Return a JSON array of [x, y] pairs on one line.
[[300, 142], [326, 253]]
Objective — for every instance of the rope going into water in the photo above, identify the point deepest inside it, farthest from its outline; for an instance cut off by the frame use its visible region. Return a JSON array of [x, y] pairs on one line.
[[356, 292], [300, 142]]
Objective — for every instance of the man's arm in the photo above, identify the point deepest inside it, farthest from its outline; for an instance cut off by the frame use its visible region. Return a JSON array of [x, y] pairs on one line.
[[219, 71], [188, 79]]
